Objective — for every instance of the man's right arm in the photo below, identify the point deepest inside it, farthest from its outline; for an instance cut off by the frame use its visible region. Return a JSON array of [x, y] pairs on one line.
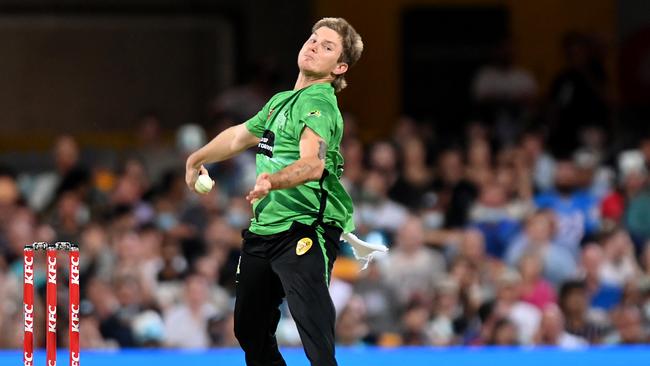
[[225, 145]]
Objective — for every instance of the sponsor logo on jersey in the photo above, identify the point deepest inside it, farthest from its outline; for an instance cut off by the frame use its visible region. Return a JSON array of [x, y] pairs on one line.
[[315, 113], [265, 146], [303, 246]]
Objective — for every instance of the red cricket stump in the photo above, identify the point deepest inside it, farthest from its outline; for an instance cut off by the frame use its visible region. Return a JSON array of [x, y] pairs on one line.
[[73, 257], [28, 305], [50, 339], [51, 301]]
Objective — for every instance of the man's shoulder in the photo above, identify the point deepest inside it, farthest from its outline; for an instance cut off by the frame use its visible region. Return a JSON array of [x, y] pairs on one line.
[[280, 95], [317, 103]]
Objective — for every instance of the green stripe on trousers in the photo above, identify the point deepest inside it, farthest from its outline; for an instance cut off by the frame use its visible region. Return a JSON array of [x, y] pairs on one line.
[[321, 242]]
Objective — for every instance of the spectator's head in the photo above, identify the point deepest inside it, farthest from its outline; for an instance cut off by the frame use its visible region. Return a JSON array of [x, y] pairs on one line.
[[383, 157], [451, 166], [352, 150], [479, 154], [174, 265], [410, 237], [71, 211], [632, 169], [173, 186], [20, 230], [150, 240], [493, 195], [446, 297], [476, 130], [531, 267], [506, 176], [9, 192], [472, 246], [540, 228], [532, 143], [351, 325], [504, 333], [127, 191], [627, 321], [591, 261], [586, 162], [414, 153], [375, 187], [464, 272], [128, 247], [128, 290], [94, 239], [351, 126], [414, 321], [220, 234], [189, 138], [9, 196], [617, 244], [565, 177], [573, 299], [135, 169], [551, 325], [197, 290], [66, 154], [508, 286], [593, 138], [208, 268], [405, 128]]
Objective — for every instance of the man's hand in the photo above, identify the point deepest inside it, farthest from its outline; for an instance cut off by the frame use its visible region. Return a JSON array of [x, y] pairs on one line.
[[261, 189], [192, 174]]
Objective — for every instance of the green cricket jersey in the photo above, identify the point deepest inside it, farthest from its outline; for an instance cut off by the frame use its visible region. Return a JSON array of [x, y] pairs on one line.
[[279, 126]]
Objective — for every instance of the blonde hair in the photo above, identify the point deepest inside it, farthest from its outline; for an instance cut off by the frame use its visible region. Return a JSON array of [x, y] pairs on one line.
[[352, 45]]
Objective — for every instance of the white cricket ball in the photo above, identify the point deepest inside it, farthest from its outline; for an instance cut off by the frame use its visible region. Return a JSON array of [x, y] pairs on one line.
[[204, 184]]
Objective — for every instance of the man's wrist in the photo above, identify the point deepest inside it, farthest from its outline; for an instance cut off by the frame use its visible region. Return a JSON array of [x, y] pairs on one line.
[[193, 162], [272, 178]]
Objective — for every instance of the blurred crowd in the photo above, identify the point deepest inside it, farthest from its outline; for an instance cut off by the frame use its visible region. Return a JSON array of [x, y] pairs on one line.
[[532, 227]]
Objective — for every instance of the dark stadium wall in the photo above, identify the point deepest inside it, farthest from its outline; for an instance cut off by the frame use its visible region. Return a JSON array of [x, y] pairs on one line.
[[90, 68], [536, 27]]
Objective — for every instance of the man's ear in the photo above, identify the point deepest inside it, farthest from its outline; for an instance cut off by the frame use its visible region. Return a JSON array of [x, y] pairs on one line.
[[340, 69]]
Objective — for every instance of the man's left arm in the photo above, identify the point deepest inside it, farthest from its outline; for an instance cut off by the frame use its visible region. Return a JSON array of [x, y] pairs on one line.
[[309, 167]]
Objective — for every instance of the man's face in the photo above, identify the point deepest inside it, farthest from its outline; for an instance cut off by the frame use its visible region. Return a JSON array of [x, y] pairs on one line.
[[319, 56]]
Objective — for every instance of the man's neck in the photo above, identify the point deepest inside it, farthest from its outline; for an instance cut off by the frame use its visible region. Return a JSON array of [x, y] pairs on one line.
[[304, 81]]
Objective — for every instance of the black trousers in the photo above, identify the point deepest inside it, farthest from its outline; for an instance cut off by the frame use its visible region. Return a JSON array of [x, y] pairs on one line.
[[274, 266]]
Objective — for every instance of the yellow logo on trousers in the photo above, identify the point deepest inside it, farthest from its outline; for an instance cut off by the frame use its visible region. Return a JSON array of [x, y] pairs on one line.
[[303, 246]]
